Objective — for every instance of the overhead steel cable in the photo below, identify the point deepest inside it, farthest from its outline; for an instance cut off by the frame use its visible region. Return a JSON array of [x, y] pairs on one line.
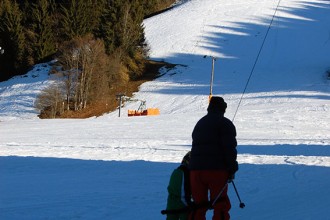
[[256, 60]]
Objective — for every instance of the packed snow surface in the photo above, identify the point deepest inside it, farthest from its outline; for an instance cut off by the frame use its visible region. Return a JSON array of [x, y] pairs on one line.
[[272, 63]]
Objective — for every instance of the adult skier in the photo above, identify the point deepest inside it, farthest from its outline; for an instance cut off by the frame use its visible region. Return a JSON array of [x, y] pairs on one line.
[[213, 160]]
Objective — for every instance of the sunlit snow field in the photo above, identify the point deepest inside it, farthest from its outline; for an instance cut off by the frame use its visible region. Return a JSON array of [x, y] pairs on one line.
[[271, 68]]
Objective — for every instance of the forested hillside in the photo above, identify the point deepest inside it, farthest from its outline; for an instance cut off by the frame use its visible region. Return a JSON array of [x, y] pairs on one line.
[[99, 44]]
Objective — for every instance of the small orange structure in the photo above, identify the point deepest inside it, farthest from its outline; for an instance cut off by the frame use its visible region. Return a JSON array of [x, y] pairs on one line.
[[148, 111], [143, 110]]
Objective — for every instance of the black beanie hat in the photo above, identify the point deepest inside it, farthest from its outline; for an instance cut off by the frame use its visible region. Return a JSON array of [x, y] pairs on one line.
[[217, 104], [186, 159]]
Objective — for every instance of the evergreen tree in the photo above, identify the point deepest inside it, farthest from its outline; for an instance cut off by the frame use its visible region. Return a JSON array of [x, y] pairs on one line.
[[106, 29], [131, 26], [121, 27], [13, 39], [78, 18], [41, 29]]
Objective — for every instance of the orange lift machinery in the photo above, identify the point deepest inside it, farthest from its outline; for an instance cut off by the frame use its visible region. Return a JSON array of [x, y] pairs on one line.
[[141, 111]]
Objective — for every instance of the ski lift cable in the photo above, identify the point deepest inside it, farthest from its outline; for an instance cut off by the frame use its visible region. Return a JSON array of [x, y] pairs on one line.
[[256, 60]]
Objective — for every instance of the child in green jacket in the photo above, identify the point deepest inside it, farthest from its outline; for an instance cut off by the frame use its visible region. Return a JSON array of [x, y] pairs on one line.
[[179, 192]]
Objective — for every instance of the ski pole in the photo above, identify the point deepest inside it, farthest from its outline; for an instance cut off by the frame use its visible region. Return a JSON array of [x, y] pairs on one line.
[[241, 204], [218, 196]]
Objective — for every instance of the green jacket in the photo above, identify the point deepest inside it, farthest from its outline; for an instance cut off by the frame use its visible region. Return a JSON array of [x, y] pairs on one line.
[[179, 193]]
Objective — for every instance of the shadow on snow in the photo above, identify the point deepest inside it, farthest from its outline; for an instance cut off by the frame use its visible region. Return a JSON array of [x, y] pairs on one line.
[[287, 59], [39, 188]]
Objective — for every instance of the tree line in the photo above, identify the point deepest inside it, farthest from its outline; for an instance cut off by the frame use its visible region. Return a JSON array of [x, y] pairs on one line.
[[98, 44]]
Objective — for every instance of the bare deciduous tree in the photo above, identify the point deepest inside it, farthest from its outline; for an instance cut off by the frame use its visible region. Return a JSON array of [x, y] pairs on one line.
[[50, 101], [86, 75]]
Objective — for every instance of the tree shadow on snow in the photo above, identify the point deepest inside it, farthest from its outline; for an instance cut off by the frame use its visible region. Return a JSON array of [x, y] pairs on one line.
[[286, 61]]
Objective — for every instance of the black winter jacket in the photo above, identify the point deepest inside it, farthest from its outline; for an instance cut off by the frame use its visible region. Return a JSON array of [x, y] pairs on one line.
[[214, 144]]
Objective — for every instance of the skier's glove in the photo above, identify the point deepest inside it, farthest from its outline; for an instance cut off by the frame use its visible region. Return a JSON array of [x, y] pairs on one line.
[[231, 178]]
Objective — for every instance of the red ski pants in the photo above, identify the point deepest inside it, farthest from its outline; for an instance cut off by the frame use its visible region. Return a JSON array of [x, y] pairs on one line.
[[203, 182]]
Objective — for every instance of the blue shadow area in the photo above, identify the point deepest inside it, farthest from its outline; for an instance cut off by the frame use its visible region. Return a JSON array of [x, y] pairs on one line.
[[281, 192], [54, 188]]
